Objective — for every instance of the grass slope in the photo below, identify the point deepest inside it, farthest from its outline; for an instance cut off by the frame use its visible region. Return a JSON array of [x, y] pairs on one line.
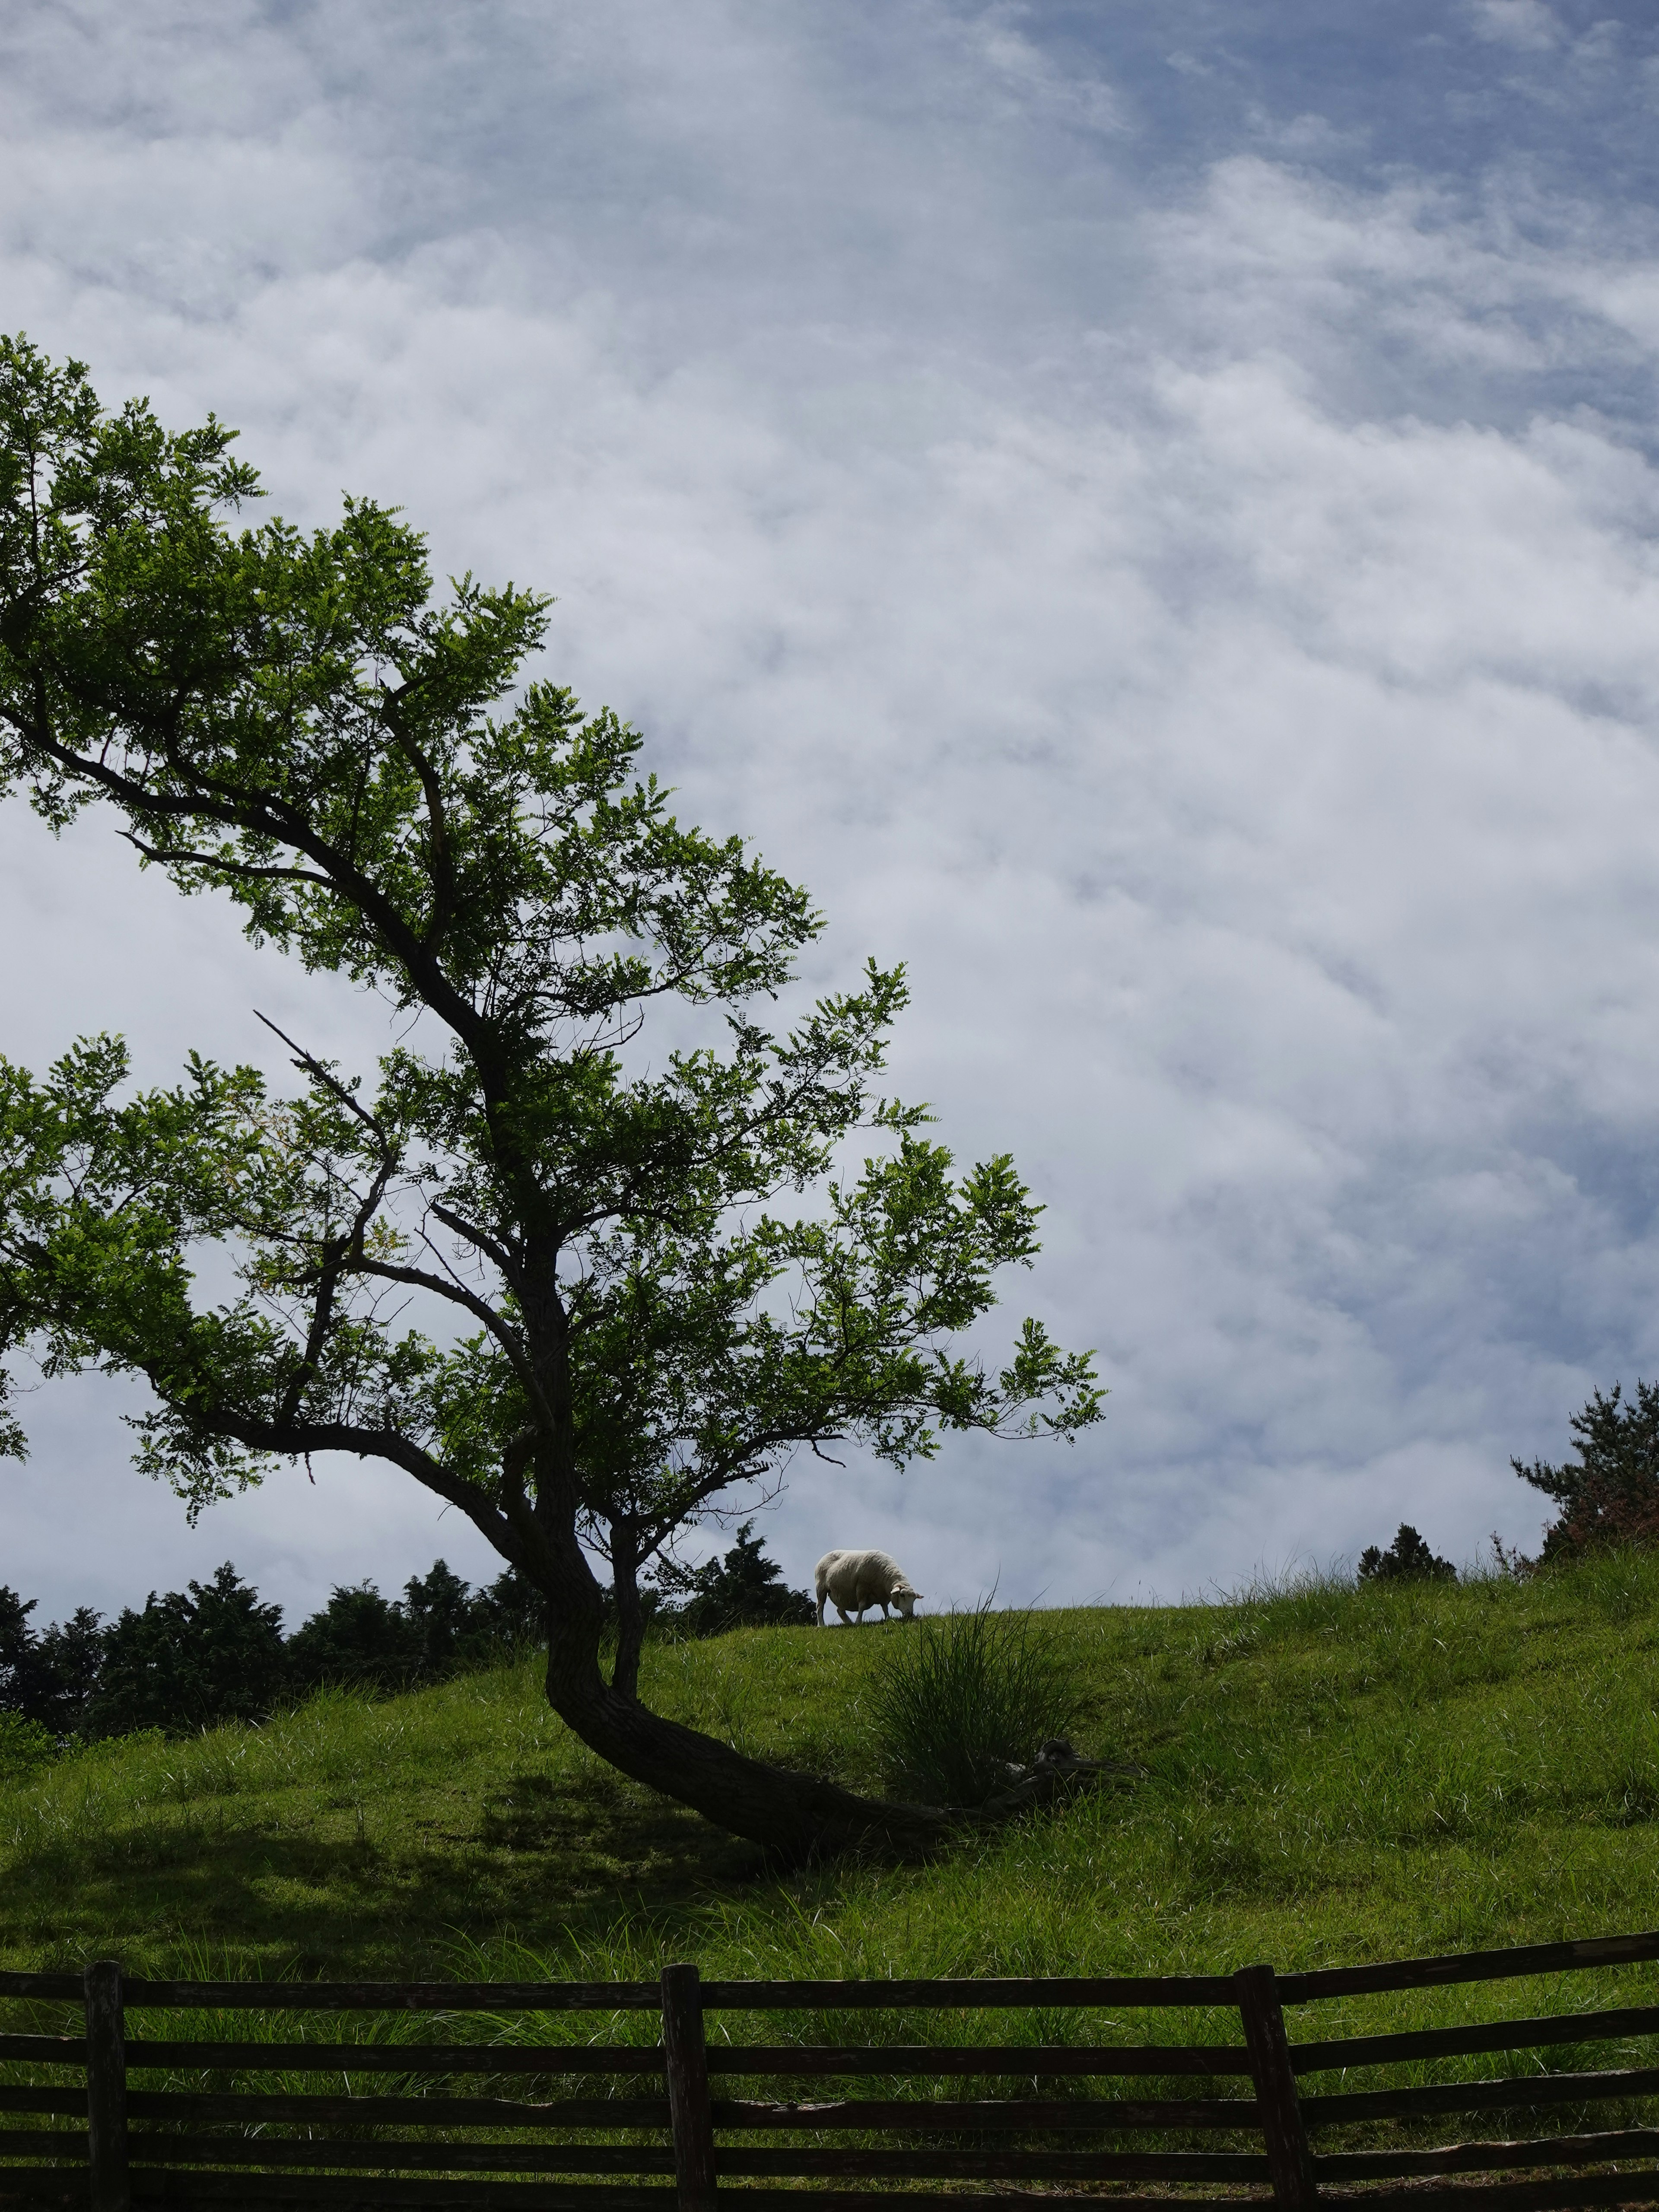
[[1334, 1774]]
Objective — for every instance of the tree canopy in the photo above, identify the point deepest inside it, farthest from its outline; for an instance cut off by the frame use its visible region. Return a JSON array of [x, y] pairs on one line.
[[1409, 1558], [743, 1590], [1608, 1492], [581, 1284], [215, 1652]]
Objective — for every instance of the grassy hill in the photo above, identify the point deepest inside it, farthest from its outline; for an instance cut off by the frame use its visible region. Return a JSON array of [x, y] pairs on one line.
[[1334, 1774]]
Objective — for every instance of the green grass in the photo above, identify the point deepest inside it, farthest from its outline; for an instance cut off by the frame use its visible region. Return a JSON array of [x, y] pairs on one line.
[[959, 1701], [1333, 1775]]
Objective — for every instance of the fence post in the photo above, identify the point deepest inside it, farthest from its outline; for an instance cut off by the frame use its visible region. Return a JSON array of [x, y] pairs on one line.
[[1289, 2159], [688, 2107], [106, 2088]]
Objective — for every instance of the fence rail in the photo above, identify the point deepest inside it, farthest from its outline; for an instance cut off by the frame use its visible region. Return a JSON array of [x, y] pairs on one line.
[[667, 2135]]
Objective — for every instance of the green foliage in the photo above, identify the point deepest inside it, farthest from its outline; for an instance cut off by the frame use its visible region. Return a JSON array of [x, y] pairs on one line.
[[50, 1678], [438, 1626], [191, 1659], [1408, 1559], [742, 1589], [187, 1661], [439, 1610], [24, 1745], [961, 1698], [359, 1638], [569, 1285], [1608, 1492]]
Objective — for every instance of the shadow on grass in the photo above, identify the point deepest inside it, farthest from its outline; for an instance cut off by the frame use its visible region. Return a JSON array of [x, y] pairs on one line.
[[542, 1859]]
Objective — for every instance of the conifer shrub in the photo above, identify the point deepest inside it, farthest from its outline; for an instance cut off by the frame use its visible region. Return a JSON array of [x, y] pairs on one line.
[[189, 1660], [215, 1652], [1608, 1491], [744, 1590], [48, 1677], [1408, 1559]]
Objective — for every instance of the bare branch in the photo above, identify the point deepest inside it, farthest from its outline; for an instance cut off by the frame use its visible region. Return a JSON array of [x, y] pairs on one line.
[[309, 1064], [457, 1293], [491, 1247], [244, 870]]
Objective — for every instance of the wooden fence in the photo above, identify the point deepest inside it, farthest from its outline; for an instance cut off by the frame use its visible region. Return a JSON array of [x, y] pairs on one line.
[[654, 2135]]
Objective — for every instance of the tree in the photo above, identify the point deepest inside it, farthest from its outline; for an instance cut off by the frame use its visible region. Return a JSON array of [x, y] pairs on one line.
[[439, 1610], [439, 1625], [190, 1659], [70, 1666], [578, 1289], [17, 1649], [359, 1638], [1408, 1559], [1608, 1492], [49, 1679], [508, 1615], [744, 1590]]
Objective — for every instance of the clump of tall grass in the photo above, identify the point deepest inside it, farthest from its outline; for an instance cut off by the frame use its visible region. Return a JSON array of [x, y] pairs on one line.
[[964, 1697]]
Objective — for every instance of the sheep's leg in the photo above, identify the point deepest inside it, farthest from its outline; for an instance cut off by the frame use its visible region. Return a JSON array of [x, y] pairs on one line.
[[841, 1610]]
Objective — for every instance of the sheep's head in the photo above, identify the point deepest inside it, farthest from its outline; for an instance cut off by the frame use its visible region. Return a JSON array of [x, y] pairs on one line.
[[905, 1600]]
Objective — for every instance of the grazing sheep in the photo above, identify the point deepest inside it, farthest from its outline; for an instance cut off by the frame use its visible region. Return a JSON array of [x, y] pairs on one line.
[[852, 1582]]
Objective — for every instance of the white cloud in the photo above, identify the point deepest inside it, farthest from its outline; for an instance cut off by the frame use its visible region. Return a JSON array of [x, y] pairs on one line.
[[1526, 24], [1204, 624]]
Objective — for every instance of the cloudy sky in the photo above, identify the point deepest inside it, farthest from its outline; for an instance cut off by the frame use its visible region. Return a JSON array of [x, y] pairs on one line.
[[1148, 508]]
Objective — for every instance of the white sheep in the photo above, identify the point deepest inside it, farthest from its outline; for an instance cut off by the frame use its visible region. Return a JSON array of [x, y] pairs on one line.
[[852, 1582]]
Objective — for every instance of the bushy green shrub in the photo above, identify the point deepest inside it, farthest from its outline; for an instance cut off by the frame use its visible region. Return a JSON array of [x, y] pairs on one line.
[[960, 1698], [359, 1638], [439, 1627], [48, 1677], [24, 1745]]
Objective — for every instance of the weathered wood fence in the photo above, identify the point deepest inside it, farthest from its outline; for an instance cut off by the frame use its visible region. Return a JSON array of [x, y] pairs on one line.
[[661, 2139]]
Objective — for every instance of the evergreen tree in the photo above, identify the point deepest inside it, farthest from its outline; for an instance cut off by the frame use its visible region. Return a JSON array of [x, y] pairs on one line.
[[50, 1678], [440, 1626], [16, 1650], [439, 1610], [1608, 1492], [68, 1667], [508, 1615], [744, 1590], [359, 1638], [1408, 1559], [189, 1661]]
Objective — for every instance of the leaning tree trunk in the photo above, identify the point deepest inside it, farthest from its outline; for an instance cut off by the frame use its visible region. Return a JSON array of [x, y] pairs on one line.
[[792, 1815], [796, 1816], [631, 1609]]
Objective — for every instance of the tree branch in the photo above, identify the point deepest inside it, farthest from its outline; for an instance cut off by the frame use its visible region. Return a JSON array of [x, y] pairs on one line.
[[294, 1439], [491, 1247], [422, 1278], [442, 868], [245, 871]]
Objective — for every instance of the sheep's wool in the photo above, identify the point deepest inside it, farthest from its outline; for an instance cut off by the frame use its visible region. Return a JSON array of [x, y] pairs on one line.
[[852, 1582]]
